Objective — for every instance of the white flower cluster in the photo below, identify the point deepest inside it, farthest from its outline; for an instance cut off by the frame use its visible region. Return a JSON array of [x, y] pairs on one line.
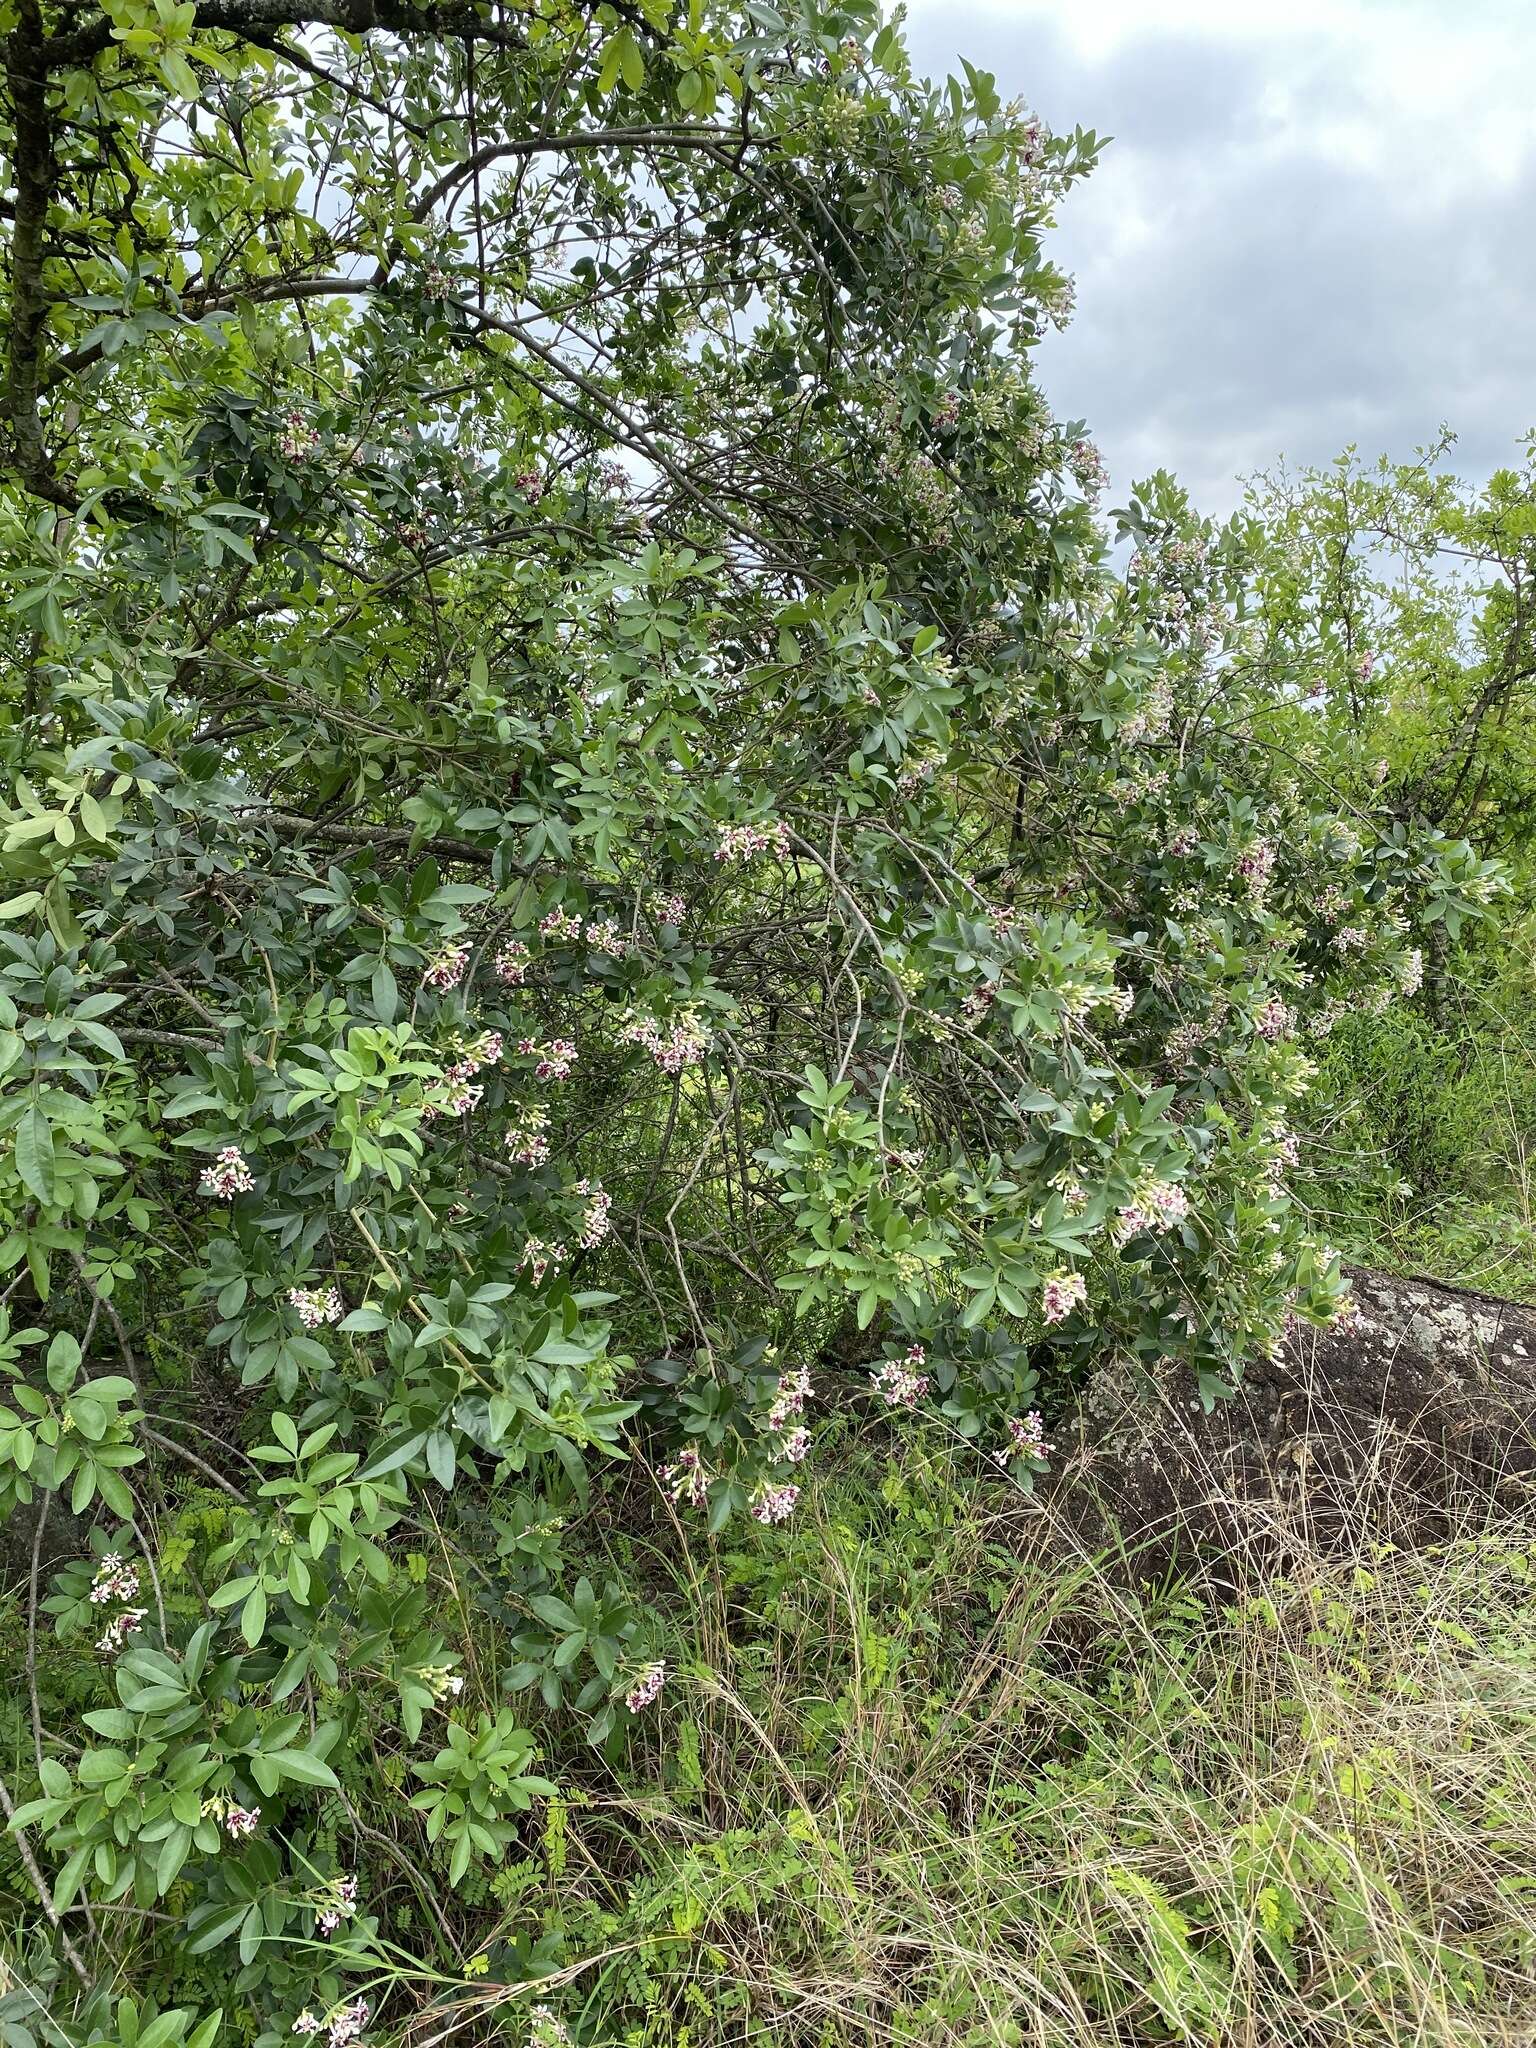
[[1062, 1293], [340, 1904], [114, 1580], [686, 1478], [228, 1176], [446, 968], [774, 1503], [316, 1306], [442, 1683], [1158, 1205], [1026, 1439], [540, 1258], [459, 1092], [791, 1392], [681, 1043], [298, 440], [341, 2027], [553, 1062], [594, 1221], [124, 1624], [1089, 470], [646, 1687], [901, 1382], [528, 1139], [746, 842]]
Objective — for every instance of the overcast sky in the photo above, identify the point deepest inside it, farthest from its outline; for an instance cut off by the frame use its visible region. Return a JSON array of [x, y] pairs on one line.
[[1316, 223]]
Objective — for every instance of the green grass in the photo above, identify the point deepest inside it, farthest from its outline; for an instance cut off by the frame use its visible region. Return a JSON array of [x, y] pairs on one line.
[[922, 1777]]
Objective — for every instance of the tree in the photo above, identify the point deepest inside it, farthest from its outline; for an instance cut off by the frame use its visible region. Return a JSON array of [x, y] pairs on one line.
[[1399, 597], [593, 847]]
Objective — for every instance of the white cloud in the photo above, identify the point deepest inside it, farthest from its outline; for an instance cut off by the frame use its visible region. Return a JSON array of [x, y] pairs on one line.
[[1309, 229]]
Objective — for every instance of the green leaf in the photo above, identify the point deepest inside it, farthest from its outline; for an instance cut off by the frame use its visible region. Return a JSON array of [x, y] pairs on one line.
[[386, 994], [174, 1851], [63, 1362], [34, 1152], [253, 1619], [305, 1769]]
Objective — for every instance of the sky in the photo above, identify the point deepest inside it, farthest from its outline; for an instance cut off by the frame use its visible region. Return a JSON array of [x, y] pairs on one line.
[[1313, 226]]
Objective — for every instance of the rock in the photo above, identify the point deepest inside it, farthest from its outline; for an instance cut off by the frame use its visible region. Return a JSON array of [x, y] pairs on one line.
[[1415, 1421]]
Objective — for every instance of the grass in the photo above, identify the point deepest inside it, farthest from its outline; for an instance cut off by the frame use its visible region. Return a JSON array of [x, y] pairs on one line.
[[924, 1777]]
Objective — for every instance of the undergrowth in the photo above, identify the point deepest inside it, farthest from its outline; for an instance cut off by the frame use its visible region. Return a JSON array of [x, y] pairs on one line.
[[924, 1775], [1422, 1152]]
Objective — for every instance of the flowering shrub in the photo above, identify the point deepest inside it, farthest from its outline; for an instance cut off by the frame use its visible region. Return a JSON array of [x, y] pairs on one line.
[[655, 861]]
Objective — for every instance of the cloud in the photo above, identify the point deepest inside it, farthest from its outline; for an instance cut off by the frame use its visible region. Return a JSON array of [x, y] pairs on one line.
[[1308, 231]]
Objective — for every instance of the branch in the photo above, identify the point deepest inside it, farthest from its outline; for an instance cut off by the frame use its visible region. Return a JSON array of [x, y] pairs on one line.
[[253, 17], [297, 827], [41, 1886]]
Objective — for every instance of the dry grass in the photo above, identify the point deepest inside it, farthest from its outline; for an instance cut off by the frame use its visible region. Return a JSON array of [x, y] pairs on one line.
[[967, 1800]]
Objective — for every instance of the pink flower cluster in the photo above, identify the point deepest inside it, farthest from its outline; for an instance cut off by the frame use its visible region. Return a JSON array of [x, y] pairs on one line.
[[1158, 1206], [459, 1091], [341, 1905], [1184, 841], [531, 484], [1026, 1438], [1089, 470], [316, 1306], [553, 1061], [594, 1221], [1062, 1293], [512, 959], [340, 2027], [669, 909], [791, 1392], [686, 1478], [228, 1176], [1275, 1020], [646, 1687], [240, 1821], [772, 1504], [114, 1580], [298, 440], [1256, 864], [683, 1043], [540, 1258], [446, 968], [605, 936], [746, 842], [127, 1622], [528, 1139], [901, 1382], [560, 924]]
